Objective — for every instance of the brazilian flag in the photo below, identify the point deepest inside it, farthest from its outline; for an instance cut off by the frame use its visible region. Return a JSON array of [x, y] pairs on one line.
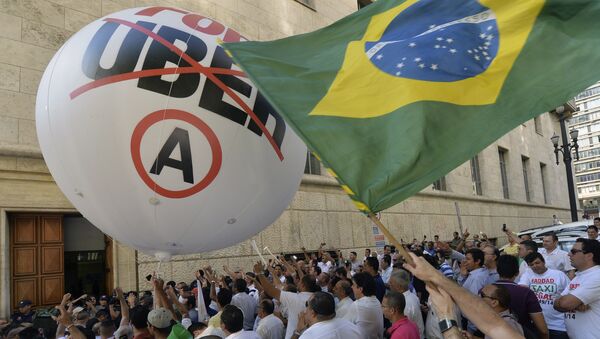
[[398, 94]]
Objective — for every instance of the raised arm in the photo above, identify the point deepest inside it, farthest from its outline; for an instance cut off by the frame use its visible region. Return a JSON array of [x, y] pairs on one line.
[[269, 289], [472, 307], [124, 307]]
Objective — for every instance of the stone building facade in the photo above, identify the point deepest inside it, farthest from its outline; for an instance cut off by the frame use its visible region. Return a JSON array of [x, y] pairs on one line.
[[513, 181]]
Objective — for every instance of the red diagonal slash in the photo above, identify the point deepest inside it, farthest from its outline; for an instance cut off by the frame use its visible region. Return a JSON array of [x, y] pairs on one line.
[[195, 67]]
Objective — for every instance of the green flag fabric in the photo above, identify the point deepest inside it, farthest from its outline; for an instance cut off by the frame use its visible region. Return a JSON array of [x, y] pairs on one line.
[[398, 94]]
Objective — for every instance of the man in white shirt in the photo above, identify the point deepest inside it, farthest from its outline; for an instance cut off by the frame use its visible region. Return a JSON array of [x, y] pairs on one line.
[[386, 268], [319, 321], [232, 323], [526, 247], [326, 262], [342, 290], [244, 302], [548, 285], [555, 258], [581, 299], [399, 282], [252, 291], [366, 310], [294, 303], [269, 326], [354, 261], [592, 230]]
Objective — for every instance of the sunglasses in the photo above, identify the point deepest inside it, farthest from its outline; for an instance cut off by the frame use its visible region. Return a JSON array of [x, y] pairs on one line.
[[575, 251], [481, 294]]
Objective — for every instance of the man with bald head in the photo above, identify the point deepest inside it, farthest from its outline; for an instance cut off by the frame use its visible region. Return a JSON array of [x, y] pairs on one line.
[[343, 290], [399, 281]]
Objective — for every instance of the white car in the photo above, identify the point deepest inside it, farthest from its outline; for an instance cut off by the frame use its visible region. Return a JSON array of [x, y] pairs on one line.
[[567, 233]]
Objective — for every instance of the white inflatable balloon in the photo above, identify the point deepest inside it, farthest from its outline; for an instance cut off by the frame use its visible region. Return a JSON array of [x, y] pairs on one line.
[[158, 139]]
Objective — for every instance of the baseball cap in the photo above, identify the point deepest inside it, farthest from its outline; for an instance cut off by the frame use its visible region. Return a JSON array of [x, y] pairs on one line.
[[24, 303], [77, 310], [160, 318]]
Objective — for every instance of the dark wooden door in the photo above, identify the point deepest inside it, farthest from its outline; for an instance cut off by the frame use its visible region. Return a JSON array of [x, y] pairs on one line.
[[37, 258]]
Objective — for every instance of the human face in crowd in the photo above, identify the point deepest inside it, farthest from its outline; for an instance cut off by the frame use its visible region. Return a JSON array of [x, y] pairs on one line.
[[388, 312], [470, 264], [357, 291], [577, 256], [455, 235], [436, 238], [469, 244], [367, 252], [352, 257], [597, 223], [486, 294], [383, 264], [549, 243], [592, 233], [338, 291], [525, 237], [301, 265], [387, 250], [277, 270], [538, 266], [476, 237], [488, 256]]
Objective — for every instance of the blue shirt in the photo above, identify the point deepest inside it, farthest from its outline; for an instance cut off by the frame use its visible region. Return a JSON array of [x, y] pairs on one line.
[[475, 281], [379, 287]]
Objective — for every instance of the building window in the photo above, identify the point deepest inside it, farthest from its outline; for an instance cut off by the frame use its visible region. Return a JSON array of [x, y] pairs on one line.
[[440, 184], [476, 176], [525, 163], [537, 122], [308, 3], [503, 173], [544, 188], [313, 166]]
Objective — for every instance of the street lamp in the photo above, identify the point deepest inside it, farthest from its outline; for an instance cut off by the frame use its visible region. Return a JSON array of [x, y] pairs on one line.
[[565, 111]]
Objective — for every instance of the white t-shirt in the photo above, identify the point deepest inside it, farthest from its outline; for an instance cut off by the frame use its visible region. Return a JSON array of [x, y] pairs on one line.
[[367, 314], [557, 259], [412, 311], [293, 303], [343, 308], [270, 327], [247, 304], [332, 329], [586, 287], [548, 287]]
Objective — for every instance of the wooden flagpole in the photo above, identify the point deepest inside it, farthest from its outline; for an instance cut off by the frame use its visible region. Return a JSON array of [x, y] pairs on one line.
[[392, 239]]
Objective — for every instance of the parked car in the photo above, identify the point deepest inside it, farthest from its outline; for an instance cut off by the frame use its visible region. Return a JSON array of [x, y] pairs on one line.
[[567, 233]]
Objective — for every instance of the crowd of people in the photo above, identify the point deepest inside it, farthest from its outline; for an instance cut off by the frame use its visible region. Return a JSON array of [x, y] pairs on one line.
[[460, 288]]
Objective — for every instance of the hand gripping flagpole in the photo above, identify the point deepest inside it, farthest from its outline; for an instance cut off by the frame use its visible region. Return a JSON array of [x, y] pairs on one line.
[[391, 238]]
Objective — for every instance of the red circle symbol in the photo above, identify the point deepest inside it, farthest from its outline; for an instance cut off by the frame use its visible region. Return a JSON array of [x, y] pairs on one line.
[[211, 137]]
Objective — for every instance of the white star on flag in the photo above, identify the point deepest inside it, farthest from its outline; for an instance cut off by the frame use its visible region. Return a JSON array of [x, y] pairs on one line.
[[434, 67], [379, 56], [422, 65], [417, 59], [412, 44], [400, 65]]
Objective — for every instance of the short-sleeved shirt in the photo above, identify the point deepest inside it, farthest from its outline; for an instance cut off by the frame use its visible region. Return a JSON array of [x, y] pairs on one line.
[[585, 287], [404, 329], [335, 328], [523, 302], [557, 259], [547, 287], [294, 303]]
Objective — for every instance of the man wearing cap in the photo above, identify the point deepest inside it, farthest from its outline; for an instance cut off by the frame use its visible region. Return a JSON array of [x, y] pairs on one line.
[[24, 314], [160, 325]]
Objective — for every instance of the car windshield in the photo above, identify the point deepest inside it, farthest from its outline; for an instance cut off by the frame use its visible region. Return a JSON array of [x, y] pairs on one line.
[[566, 245]]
